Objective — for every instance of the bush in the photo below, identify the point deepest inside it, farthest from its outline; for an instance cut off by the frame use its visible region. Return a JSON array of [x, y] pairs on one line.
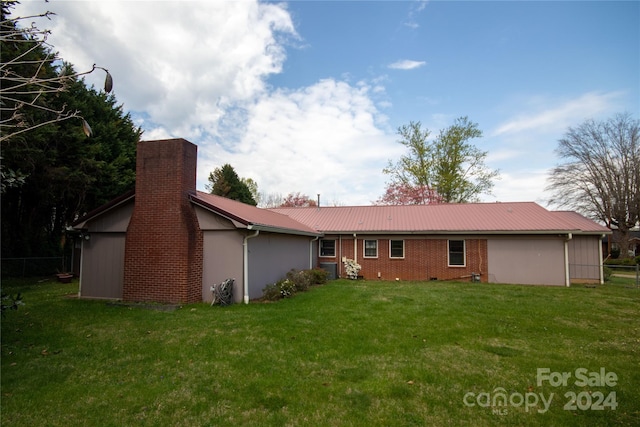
[[622, 261], [607, 273], [271, 292], [615, 253], [300, 279], [287, 288], [318, 276], [296, 281]]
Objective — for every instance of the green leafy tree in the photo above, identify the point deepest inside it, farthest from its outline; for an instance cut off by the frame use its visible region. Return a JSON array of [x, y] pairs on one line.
[[253, 188], [450, 165], [599, 173], [224, 181]]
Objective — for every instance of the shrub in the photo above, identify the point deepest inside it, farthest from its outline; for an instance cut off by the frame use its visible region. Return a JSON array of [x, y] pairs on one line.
[[615, 253], [300, 279], [296, 281], [351, 267], [622, 261], [318, 276], [607, 273], [287, 288], [271, 292]]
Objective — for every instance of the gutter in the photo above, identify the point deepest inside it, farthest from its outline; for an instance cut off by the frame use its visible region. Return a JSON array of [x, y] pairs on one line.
[[245, 262]]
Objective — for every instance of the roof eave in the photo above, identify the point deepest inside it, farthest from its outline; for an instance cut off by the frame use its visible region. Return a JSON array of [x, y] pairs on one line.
[[461, 232], [272, 229], [82, 221]]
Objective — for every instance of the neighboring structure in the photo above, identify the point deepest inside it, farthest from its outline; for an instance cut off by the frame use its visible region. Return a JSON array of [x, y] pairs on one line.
[[167, 242]]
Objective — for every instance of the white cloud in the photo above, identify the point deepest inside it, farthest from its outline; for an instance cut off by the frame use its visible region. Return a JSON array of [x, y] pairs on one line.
[[182, 63], [407, 64], [324, 139], [526, 185], [558, 117]]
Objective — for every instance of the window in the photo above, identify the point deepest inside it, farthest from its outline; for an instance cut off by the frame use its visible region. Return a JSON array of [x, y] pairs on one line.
[[396, 248], [327, 248], [456, 253], [371, 249]]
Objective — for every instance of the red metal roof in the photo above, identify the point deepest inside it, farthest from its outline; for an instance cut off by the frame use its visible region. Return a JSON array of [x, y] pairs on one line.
[[520, 217], [251, 216]]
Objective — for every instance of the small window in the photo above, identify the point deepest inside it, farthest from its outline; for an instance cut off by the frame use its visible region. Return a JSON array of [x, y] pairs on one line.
[[456, 253], [371, 249], [327, 248], [396, 248]]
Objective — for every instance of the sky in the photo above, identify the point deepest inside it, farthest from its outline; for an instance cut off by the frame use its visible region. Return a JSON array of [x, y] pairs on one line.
[[307, 96]]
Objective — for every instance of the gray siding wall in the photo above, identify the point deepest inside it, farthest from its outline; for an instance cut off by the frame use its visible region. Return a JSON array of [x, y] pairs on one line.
[[102, 256], [222, 259], [584, 258], [102, 266], [526, 260], [271, 256]]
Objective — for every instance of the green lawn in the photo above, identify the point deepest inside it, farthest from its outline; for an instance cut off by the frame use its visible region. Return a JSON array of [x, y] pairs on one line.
[[343, 354]]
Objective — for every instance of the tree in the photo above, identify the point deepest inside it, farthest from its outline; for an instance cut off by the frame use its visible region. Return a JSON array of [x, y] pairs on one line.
[[225, 182], [404, 194], [599, 173], [65, 173], [450, 165], [29, 80], [297, 200], [253, 188]]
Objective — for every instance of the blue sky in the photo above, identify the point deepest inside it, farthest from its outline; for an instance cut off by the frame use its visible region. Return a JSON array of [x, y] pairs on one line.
[[307, 95]]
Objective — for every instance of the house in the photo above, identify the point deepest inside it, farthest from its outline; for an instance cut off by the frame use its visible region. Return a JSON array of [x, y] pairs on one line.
[[494, 242], [167, 242]]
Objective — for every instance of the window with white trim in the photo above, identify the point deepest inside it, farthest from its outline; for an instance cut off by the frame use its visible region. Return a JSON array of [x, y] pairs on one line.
[[396, 248], [370, 249], [457, 256], [327, 248]]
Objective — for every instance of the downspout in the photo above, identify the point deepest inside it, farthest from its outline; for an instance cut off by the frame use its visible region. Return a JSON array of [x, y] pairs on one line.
[[311, 248], [355, 248], [601, 259], [245, 261], [567, 278], [81, 269]]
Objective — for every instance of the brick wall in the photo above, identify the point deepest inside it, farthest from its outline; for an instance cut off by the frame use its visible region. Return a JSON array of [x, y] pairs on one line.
[[424, 259], [163, 251]]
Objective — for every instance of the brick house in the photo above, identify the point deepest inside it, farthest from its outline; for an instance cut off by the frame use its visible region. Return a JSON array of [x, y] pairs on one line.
[[519, 243], [168, 242]]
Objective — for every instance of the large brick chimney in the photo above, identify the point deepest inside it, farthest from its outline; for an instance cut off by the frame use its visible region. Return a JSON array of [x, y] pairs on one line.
[[163, 250]]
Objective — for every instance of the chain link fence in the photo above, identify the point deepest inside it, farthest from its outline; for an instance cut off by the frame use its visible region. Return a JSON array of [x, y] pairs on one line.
[[34, 266]]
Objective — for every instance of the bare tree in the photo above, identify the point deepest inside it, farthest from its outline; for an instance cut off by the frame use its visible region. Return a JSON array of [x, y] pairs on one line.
[[599, 174], [29, 76]]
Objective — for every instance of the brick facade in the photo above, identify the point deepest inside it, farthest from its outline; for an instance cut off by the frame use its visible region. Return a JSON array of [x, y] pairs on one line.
[[424, 258], [164, 246]]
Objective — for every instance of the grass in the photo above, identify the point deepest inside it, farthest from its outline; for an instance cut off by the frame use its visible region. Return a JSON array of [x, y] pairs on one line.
[[343, 354]]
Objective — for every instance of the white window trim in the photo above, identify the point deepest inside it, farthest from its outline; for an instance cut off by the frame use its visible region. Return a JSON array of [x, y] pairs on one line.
[[464, 253], [320, 248], [403, 249], [364, 248]]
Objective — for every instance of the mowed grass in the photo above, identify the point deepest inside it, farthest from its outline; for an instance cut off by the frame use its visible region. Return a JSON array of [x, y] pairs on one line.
[[343, 354]]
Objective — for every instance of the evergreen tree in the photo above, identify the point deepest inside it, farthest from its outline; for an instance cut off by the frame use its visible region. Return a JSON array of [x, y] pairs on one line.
[[66, 174], [225, 182]]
